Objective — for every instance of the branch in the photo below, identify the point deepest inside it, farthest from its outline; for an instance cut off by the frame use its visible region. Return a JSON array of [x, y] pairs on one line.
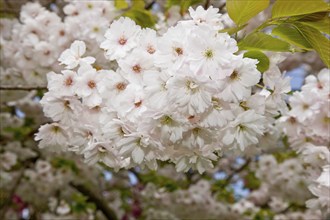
[[22, 88], [149, 6], [8, 202], [207, 4], [99, 202], [229, 177]]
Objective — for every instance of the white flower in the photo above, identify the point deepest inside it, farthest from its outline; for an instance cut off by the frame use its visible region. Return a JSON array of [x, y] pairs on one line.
[[303, 108], [63, 208], [244, 130], [218, 115], [73, 57], [87, 85], [62, 84], [148, 41], [120, 38], [8, 159], [53, 136], [135, 65], [190, 94], [324, 178], [209, 16], [237, 86], [139, 148], [62, 109], [213, 57], [172, 48], [105, 152]]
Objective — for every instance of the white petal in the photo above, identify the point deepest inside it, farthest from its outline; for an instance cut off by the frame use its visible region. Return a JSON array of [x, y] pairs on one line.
[[138, 155]]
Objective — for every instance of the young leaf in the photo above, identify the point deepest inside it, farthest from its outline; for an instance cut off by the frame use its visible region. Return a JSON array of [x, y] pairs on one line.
[[121, 4], [263, 64], [262, 41], [290, 34], [317, 40], [142, 17], [318, 20], [242, 11], [322, 25], [284, 8], [232, 30], [185, 4], [138, 4]]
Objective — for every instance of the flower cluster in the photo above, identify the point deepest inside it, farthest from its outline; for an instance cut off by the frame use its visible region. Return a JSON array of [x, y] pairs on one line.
[[285, 180], [307, 126], [31, 45], [185, 97], [159, 204]]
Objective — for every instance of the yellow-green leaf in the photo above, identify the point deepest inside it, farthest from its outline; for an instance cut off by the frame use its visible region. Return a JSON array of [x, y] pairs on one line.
[[317, 40], [138, 4], [262, 41], [241, 11], [121, 4], [142, 17], [263, 64], [232, 30], [318, 20], [185, 4], [285, 8], [290, 34], [323, 26]]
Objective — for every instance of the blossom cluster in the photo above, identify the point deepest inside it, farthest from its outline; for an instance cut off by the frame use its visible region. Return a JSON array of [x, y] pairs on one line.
[[286, 180], [31, 45], [185, 97], [307, 126]]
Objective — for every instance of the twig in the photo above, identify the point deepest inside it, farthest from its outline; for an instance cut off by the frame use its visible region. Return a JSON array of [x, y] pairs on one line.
[[149, 6], [7, 203], [230, 176], [28, 88], [207, 4], [99, 202]]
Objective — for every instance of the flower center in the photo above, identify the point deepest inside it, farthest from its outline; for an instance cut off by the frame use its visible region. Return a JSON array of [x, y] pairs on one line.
[[208, 54], [122, 40], [166, 120], [192, 86], [102, 149], [138, 104], [121, 86], [137, 68], [151, 49], [96, 29], [68, 81], [91, 84], [234, 76], [179, 51]]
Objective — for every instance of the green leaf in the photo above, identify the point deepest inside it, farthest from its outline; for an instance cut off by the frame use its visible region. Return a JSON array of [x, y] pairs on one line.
[[242, 11], [171, 3], [263, 64], [232, 30], [313, 17], [121, 4], [290, 34], [285, 8], [262, 41], [185, 4], [319, 20], [142, 17], [317, 40], [138, 4]]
